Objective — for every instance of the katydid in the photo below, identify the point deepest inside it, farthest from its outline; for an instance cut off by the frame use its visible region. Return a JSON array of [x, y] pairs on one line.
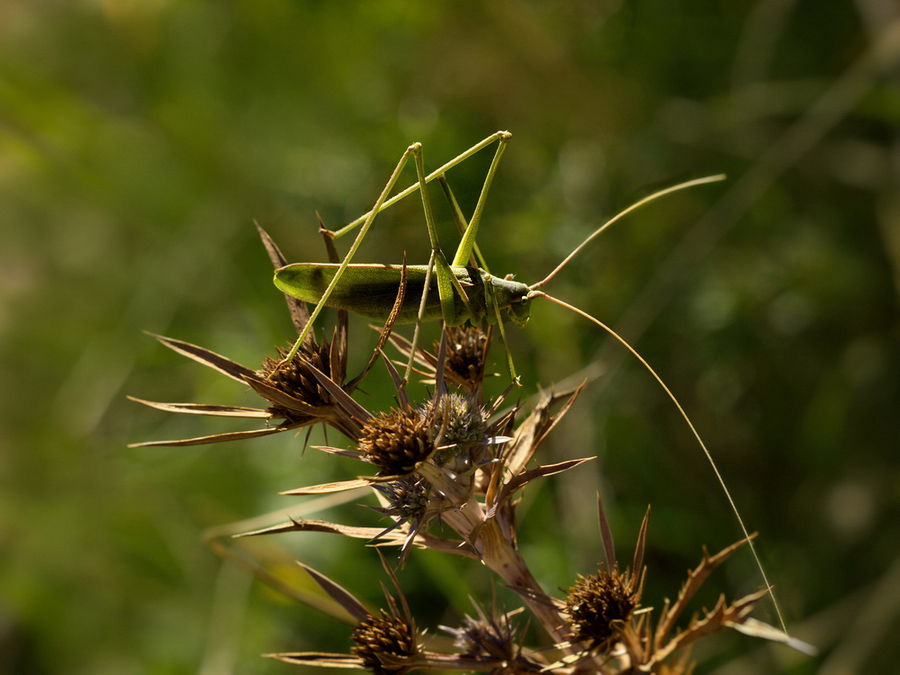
[[370, 289], [354, 285], [457, 292]]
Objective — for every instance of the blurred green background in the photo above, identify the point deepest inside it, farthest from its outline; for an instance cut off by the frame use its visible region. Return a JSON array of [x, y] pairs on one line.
[[138, 142]]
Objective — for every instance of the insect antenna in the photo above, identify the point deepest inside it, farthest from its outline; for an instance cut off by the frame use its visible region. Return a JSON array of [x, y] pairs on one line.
[[709, 457], [622, 214]]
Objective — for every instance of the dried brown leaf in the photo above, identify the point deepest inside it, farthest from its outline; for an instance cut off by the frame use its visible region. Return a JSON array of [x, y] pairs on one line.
[[209, 358], [215, 438], [532, 432], [759, 629], [338, 593], [402, 395], [321, 659], [395, 537], [609, 546], [721, 617], [303, 525], [343, 399], [325, 488], [284, 400], [298, 309], [695, 579], [206, 409], [435, 661], [641, 545], [521, 480]]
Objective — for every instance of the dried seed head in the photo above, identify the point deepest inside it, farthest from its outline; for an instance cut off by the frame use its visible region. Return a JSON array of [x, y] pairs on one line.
[[407, 498], [296, 379], [600, 606], [377, 637], [467, 348], [464, 425], [396, 441], [483, 637]]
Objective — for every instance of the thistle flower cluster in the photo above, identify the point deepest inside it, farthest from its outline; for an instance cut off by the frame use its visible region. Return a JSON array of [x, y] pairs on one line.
[[461, 461]]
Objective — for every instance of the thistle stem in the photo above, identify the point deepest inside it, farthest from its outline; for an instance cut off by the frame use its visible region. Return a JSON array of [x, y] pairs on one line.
[[501, 556]]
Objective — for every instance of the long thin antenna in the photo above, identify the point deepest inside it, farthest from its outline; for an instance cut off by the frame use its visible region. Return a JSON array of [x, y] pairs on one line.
[[622, 214], [690, 424]]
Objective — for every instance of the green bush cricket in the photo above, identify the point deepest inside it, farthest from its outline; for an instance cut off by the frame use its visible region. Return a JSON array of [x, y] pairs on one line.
[[457, 291], [371, 289]]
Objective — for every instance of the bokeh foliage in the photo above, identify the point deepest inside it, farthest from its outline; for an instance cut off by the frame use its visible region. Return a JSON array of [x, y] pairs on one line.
[[139, 141]]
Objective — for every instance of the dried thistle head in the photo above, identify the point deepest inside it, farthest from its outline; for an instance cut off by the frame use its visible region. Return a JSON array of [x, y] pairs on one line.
[[296, 378], [495, 641], [407, 500], [467, 349], [436, 451], [600, 606], [383, 642], [294, 411], [396, 441], [450, 427], [465, 357], [386, 643], [460, 425], [481, 637], [309, 390]]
